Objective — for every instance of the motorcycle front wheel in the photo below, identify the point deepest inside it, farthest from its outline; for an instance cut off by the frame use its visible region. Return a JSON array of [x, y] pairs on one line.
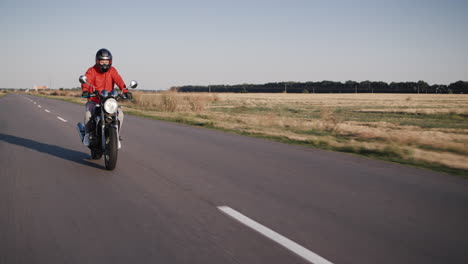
[[110, 154]]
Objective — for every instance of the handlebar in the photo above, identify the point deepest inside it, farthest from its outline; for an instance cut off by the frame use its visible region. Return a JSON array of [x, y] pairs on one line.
[[89, 96], [118, 98]]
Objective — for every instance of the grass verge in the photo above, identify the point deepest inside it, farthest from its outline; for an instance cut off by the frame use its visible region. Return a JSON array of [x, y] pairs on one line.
[[427, 131]]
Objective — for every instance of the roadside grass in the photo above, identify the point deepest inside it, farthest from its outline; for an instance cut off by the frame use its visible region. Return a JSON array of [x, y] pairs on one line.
[[439, 120], [429, 131], [4, 92]]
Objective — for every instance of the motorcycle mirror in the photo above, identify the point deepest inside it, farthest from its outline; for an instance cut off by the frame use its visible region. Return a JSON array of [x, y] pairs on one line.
[[133, 84], [83, 79]]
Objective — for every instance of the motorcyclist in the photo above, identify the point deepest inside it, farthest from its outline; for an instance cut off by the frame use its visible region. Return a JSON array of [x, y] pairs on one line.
[[103, 77]]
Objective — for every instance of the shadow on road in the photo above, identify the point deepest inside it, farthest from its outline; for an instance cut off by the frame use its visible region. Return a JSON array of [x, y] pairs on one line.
[[63, 153]]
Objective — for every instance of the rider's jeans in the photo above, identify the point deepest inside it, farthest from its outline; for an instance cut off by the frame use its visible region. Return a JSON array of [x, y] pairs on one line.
[[90, 106]]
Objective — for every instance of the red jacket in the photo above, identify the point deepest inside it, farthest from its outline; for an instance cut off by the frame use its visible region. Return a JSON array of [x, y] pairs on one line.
[[102, 81]]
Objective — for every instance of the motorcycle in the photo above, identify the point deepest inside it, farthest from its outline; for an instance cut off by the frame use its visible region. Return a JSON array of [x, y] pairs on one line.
[[104, 136]]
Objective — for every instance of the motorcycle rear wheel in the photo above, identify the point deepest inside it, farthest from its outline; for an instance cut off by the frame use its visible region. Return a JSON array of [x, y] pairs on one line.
[[96, 154]]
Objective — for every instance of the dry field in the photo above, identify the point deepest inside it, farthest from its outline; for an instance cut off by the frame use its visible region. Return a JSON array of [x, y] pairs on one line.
[[424, 130], [3, 93]]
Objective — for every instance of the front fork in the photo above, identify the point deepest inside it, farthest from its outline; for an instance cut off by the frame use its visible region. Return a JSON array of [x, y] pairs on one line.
[[115, 123]]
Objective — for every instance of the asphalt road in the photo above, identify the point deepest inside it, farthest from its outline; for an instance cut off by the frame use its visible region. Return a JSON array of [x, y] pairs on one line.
[[162, 203]]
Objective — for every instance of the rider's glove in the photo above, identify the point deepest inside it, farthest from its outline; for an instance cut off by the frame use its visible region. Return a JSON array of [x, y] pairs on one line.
[[128, 95], [85, 94]]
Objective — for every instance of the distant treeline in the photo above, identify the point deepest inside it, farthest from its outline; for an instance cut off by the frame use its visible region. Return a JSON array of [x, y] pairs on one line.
[[459, 87]]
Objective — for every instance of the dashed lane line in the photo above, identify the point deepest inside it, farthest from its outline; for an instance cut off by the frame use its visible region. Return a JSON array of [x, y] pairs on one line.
[[283, 241]]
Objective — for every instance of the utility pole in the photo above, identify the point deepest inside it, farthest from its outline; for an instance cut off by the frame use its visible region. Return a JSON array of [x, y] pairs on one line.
[[285, 89]]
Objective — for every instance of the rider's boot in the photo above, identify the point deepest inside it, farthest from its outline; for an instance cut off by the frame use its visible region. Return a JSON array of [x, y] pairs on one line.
[[86, 139]]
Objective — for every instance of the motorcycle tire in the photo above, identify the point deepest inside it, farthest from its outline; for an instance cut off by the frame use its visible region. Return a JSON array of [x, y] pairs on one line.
[[110, 154]]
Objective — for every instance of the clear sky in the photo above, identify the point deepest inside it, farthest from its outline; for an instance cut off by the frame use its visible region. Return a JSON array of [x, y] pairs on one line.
[[170, 43]]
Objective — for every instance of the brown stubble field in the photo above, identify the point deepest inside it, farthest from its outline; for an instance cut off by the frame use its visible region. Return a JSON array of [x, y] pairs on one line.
[[425, 130]]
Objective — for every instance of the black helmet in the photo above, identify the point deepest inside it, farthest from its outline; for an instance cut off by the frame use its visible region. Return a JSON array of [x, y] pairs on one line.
[[104, 54]]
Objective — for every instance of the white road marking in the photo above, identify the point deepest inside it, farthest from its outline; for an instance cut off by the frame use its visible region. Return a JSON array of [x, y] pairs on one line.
[[39, 106], [283, 241], [61, 119], [34, 102], [47, 111]]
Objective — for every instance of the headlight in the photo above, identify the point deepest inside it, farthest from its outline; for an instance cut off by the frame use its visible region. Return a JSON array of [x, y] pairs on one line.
[[110, 105]]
